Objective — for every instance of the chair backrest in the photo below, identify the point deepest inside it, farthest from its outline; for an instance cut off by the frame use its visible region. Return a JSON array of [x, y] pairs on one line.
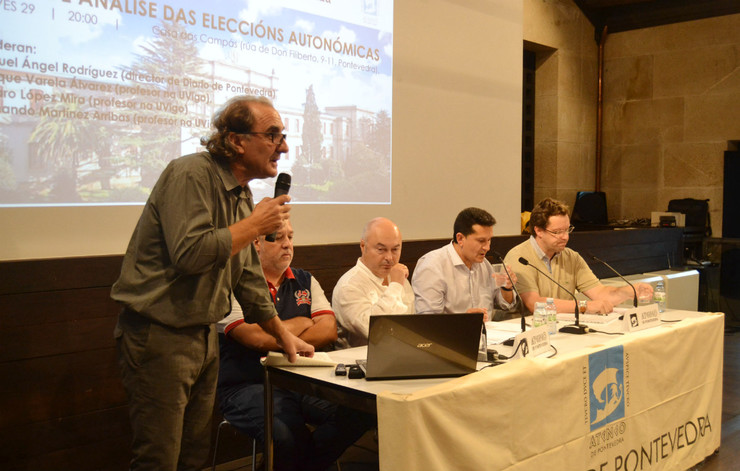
[[590, 208], [697, 214]]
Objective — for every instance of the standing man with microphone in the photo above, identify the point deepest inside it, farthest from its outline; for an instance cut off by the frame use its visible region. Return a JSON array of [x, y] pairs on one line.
[[191, 249], [546, 250]]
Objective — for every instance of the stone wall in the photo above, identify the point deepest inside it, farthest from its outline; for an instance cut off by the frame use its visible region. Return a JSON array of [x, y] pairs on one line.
[[672, 106], [565, 97]]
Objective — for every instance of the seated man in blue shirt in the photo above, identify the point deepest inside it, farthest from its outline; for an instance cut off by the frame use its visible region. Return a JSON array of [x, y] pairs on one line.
[[457, 277], [305, 311]]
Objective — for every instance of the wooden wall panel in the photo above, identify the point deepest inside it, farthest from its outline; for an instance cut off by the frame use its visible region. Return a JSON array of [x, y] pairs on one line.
[[28, 276], [57, 338], [57, 306], [103, 454], [107, 430], [58, 386]]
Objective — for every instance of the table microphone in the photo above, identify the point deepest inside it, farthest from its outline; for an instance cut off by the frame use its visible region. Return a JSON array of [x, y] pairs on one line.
[[596, 259], [282, 186], [513, 286], [569, 329]]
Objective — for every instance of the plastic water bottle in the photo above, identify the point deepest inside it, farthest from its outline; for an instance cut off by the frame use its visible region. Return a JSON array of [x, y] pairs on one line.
[[539, 316], [659, 296], [552, 316]]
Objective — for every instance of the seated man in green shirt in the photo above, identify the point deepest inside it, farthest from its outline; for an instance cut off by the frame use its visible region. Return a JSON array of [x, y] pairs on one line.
[[546, 249]]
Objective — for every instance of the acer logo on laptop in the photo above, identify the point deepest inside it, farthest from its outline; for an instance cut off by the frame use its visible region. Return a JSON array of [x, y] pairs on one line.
[[424, 345]]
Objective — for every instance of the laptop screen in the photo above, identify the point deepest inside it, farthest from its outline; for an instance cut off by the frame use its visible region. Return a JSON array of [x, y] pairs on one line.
[[423, 345]]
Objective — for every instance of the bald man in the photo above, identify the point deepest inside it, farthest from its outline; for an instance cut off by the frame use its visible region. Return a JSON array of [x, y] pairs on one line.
[[377, 284]]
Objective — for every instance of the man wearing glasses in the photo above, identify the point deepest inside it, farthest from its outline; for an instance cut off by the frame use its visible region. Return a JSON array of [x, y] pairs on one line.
[[191, 249], [546, 249]]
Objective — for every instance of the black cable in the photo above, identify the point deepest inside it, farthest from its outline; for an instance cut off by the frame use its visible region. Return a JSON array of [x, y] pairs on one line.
[[607, 333], [504, 357], [495, 363]]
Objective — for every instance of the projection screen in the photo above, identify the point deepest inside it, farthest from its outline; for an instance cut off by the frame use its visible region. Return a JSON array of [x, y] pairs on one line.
[[97, 96]]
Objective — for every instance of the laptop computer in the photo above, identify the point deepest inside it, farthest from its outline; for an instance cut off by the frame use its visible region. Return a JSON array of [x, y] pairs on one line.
[[422, 345]]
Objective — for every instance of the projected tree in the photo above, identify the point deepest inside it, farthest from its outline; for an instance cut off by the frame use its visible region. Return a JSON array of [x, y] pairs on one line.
[[311, 128], [306, 171], [380, 140], [173, 56], [367, 168]]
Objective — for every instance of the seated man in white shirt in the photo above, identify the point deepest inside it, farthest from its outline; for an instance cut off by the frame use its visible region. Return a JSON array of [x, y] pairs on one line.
[[546, 249], [377, 284], [457, 277]]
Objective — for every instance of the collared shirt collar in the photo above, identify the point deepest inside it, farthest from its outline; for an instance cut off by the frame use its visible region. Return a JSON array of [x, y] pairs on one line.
[[288, 273], [541, 254], [273, 289], [224, 172], [364, 267], [229, 181], [454, 256]]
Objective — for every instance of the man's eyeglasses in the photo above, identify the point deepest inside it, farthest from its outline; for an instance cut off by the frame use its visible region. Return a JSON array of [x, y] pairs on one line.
[[561, 232], [275, 137]]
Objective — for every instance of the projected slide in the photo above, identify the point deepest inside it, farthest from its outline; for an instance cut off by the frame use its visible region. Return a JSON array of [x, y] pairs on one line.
[[97, 96]]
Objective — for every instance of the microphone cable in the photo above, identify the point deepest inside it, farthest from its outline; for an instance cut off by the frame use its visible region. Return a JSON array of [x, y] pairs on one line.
[[606, 333], [501, 359]]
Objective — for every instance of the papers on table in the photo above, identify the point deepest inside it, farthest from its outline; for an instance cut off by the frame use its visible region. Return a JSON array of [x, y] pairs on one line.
[[498, 332]]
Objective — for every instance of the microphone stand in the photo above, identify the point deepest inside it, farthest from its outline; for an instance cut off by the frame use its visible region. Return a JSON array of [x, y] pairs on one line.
[[634, 291], [510, 342], [577, 328]]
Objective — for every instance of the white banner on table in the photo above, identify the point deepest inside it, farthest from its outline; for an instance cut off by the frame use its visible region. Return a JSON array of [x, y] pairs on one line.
[[650, 400]]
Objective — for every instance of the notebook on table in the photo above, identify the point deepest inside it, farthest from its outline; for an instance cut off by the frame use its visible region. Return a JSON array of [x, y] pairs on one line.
[[422, 345], [281, 359]]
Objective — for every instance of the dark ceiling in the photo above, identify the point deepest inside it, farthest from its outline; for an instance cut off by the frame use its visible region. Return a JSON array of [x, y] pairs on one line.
[[625, 15]]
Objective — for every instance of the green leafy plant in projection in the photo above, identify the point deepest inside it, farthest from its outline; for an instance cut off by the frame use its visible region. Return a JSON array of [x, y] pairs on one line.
[[63, 145], [150, 145]]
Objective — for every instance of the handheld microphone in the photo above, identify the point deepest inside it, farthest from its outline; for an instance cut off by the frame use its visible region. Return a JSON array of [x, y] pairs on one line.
[[569, 329], [282, 186], [634, 291], [513, 286]]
